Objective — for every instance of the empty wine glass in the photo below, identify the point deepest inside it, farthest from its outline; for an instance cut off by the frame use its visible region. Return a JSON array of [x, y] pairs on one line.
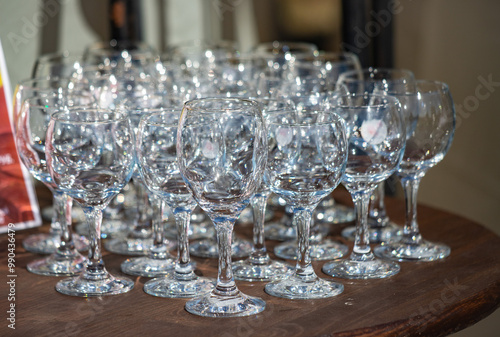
[[430, 128], [156, 155], [90, 157], [376, 145], [306, 160], [381, 81], [259, 266], [222, 151], [45, 243], [57, 65], [307, 100], [30, 128]]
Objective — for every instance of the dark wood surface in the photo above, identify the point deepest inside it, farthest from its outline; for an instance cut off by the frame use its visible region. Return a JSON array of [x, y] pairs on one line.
[[424, 299]]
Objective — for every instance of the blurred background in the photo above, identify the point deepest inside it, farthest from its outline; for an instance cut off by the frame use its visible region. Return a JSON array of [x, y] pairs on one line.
[[455, 41]]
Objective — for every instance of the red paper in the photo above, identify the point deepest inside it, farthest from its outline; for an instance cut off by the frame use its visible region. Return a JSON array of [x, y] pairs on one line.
[[18, 204]]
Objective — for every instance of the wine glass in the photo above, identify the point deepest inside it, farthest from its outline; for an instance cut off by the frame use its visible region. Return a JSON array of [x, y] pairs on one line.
[[376, 145], [221, 152], [113, 91], [158, 260], [259, 266], [306, 160], [156, 155], [30, 128], [56, 65], [307, 100], [382, 81], [430, 128], [90, 157], [45, 243]]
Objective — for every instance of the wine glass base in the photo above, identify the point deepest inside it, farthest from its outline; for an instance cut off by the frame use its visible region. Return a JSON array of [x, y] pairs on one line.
[[213, 305], [325, 250], [296, 288], [196, 231], [109, 228], [80, 286], [244, 270], [280, 231], [369, 269], [148, 267], [208, 248], [77, 214], [335, 215], [378, 234], [246, 216], [129, 246], [424, 251], [47, 243], [171, 287], [58, 265]]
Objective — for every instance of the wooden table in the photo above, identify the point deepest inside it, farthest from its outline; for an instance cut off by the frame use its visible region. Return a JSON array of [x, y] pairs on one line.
[[425, 299]]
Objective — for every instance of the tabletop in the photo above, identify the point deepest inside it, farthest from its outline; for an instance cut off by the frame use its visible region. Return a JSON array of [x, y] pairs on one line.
[[425, 298]]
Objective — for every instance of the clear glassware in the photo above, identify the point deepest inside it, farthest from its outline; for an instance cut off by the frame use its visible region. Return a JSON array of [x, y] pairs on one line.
[[376, 145], [430, 128], [221, 152], [158, 260], [306, 160], [130, 235], [45, 243], [307, 94], [259, 266], [156, 155], [56, 65], [90, 157], [30, 131], [381, 81]]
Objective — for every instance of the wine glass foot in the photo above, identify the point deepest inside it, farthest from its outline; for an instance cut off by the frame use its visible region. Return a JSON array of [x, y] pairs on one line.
[[214, 305], [335, 215], [244, 270], [77, 214], [47, 243], [298, 288], [246, 217], [85, 287], [129, 246], [196, 231], [208, 248], [424, 251], [109, 228], [324, 250], [171, 287], [378, 234], [147, 267], [280, 231], [371, 268], [58, 265]]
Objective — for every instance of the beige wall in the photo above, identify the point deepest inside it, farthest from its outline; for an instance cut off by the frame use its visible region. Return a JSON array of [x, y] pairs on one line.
[[458, 42]]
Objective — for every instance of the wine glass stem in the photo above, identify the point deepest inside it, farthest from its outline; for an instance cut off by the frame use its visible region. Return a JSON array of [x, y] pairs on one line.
[[159, 250], [143, 224], [259, 252], [183, 267], [225, 281], [411, 231], [62, 210], [302, 218], [377, 204], [57, 222], [95, 265], [361, 249]]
